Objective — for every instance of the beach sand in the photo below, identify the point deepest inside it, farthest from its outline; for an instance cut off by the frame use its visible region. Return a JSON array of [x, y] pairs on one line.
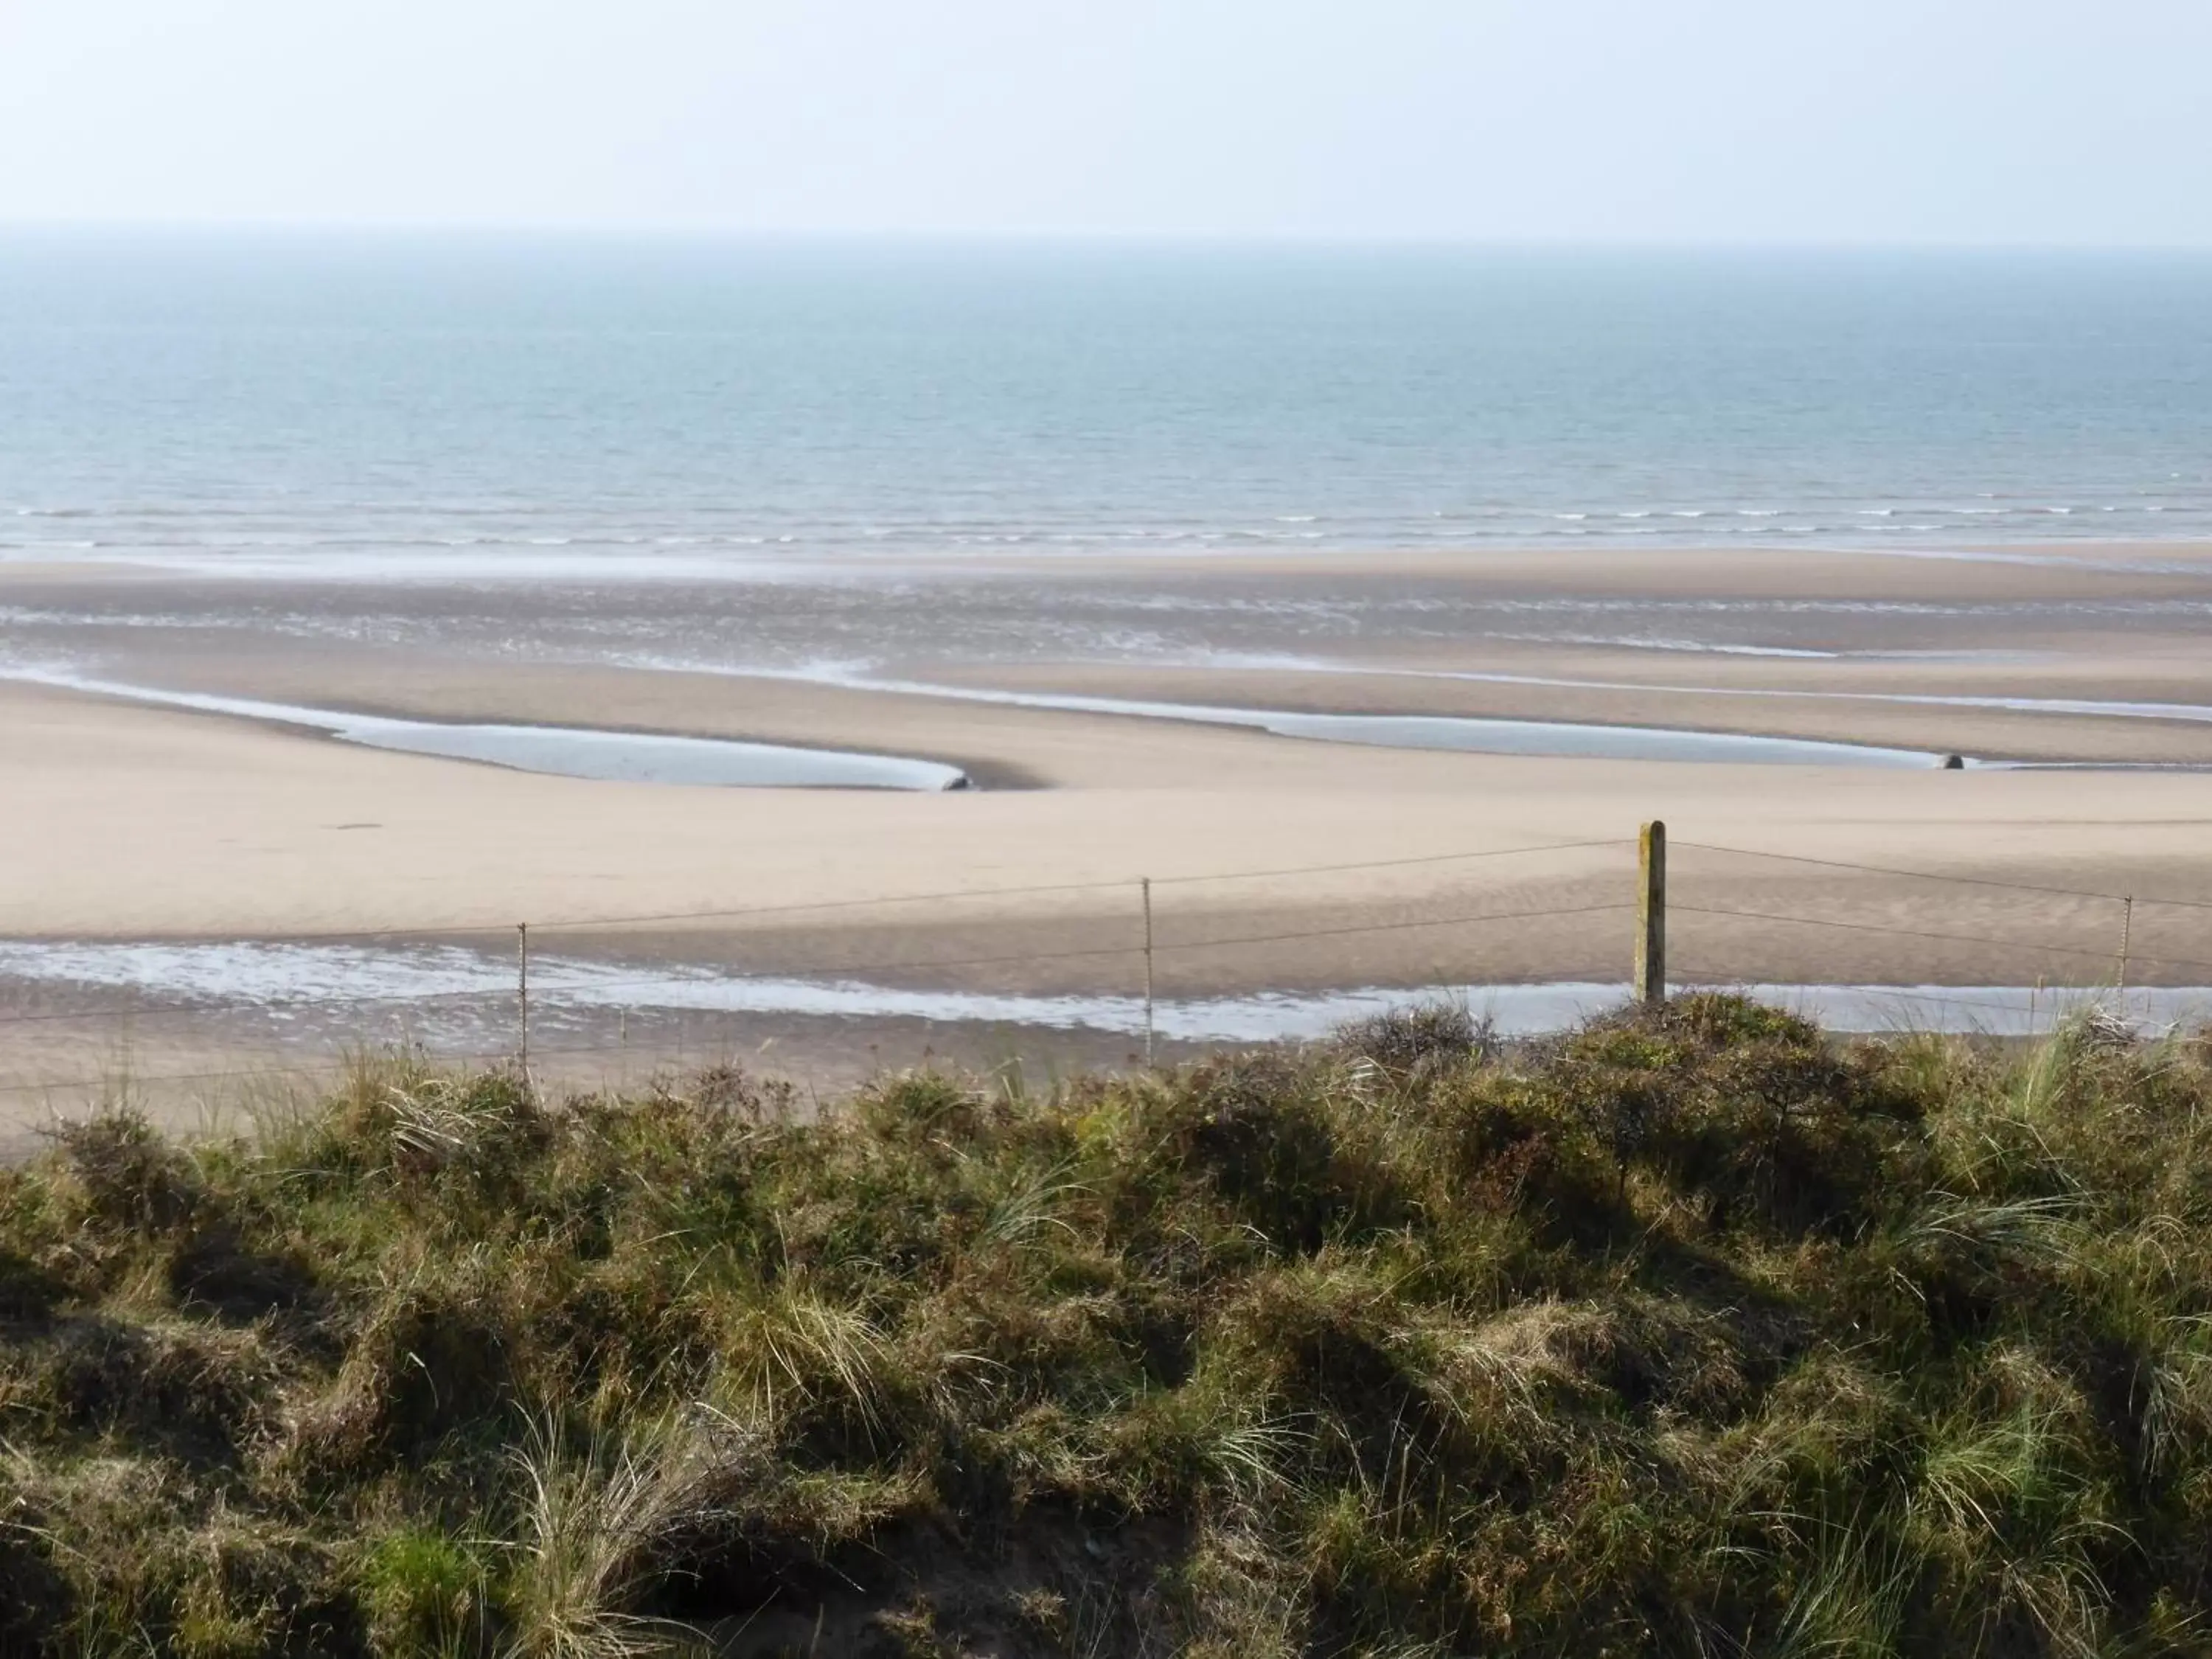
[[133, 823]]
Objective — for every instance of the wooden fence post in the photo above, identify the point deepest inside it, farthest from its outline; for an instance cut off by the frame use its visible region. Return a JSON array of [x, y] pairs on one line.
[[522, 991], [1148, 969], [1652, 916]]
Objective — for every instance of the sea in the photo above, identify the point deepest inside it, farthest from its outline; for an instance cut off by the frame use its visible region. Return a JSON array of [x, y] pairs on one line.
[[422, 404]]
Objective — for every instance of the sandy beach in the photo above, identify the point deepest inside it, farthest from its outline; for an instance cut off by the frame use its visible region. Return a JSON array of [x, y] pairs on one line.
[[1279, 865]]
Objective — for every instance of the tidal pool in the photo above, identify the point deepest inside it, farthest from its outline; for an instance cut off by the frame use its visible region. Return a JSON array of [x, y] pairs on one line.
[[1467, 734], [561, 750]]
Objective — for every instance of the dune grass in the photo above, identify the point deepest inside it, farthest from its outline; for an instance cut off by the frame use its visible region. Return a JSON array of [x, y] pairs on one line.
[[1691, 1333]]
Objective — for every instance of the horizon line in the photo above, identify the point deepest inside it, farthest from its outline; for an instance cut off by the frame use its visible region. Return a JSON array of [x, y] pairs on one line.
[[674, 231]]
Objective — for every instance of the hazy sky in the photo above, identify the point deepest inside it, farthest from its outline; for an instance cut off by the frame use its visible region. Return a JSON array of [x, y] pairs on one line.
[[1950, 120]]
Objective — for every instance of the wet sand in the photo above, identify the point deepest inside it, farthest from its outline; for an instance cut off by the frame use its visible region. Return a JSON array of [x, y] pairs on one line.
[[140, 822]]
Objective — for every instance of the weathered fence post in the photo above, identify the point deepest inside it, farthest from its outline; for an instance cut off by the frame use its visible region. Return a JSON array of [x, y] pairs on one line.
[[1652, 916], [1148, 969], [522, 991], [2127, 940]]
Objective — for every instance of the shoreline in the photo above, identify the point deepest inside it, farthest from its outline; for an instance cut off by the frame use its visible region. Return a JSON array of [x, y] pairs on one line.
[[314, 565], [194, 1064]]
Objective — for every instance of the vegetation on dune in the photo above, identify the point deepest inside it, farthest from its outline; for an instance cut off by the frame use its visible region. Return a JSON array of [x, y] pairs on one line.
[[1691, 1333]]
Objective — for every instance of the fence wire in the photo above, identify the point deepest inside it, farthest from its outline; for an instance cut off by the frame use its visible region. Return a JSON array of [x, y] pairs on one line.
[[1524, 930]]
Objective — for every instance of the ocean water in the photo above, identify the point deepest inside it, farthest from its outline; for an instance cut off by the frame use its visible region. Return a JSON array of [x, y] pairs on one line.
[[465, 405]]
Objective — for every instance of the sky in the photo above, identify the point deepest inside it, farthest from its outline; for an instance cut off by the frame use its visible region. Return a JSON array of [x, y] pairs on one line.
[[1947, 121]]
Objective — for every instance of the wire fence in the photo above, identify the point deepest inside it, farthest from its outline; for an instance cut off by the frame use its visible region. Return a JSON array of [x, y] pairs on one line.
[[1534, 934]]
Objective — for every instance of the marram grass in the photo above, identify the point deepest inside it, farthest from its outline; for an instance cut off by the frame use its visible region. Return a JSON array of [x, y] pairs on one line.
[[1691, 1333]]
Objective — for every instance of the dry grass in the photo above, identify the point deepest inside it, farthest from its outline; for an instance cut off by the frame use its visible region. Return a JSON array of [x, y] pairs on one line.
[[1690, 1334]]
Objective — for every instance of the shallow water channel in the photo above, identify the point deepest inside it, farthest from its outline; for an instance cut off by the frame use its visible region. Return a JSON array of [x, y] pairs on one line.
[[564, 751], [1467, 734], [462, 986]]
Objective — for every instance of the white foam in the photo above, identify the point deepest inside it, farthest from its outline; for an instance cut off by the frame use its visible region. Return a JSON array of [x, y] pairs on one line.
[[1635, 643]]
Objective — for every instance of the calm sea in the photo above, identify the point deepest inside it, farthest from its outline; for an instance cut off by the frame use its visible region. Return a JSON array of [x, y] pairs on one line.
[[421, 404]]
